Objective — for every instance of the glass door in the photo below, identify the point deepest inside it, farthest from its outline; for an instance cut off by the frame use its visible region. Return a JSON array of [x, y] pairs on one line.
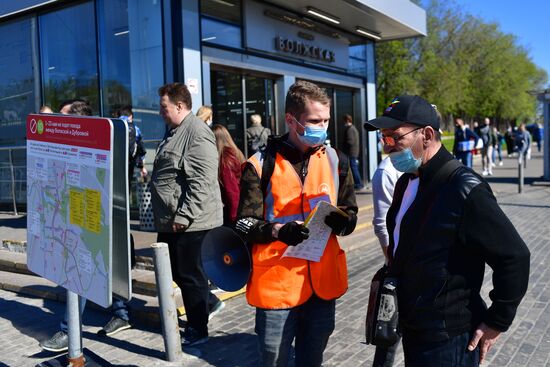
[[344, 106], [227, 103], [237, 96]]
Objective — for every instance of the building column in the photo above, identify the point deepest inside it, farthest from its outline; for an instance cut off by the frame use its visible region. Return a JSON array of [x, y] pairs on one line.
[[370, 139], [182, 44], [281, 88]]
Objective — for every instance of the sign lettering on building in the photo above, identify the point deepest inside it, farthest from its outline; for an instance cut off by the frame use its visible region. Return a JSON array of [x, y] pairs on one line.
[[304, 49]]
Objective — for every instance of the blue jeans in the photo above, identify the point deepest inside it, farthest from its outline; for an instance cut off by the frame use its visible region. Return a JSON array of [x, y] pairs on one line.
[[311, 324], [465, 158], [453, 352], [119, 308], [354, 165]]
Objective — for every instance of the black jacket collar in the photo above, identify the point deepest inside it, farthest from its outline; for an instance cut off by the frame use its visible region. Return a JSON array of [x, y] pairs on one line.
[[427, 171]]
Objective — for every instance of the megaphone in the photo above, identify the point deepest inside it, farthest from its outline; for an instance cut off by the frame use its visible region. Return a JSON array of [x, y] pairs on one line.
[[226, 259]]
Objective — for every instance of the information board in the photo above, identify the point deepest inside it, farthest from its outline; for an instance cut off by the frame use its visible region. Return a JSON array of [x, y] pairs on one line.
[[70, 203]]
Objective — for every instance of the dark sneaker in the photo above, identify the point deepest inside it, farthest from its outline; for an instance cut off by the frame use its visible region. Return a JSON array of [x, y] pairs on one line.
[[216, 309], [59, 342], [213, 289], [191, 337], [114, 325]]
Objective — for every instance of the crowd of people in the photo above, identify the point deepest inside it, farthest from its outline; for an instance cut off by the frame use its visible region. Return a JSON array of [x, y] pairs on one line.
[[431, 215], [489, 141]]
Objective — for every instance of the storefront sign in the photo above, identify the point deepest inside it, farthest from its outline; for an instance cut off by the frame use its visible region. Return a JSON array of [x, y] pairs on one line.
[[303, 49], [276, 31]]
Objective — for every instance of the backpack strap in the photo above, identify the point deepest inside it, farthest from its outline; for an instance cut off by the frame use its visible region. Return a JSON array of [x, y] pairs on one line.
[[343, 166], [273, 144]]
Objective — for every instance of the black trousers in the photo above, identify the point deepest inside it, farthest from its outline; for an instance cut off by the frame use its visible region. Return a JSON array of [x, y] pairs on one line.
[[187, 271], [448, 353]]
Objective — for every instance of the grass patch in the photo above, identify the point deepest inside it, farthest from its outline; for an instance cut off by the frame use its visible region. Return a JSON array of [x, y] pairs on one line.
[[448, 142]]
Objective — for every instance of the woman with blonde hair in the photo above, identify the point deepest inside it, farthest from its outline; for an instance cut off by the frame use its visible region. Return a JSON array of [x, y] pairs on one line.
[[229, 172], [205, 114]]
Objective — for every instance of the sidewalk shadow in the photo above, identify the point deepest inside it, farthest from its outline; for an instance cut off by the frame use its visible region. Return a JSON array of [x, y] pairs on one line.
[[92, 360], [125, 345], [17, 222], [510, 180], [228, 350], [13, 310]]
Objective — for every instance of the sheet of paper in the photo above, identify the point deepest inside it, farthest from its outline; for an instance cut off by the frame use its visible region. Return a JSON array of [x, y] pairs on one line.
[[313, 248]]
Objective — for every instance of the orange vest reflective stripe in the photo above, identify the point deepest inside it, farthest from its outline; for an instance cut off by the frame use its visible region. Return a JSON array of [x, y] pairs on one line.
[[280, 282]]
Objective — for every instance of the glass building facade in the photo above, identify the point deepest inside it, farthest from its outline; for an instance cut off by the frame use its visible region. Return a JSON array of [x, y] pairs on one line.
[[113, 53]]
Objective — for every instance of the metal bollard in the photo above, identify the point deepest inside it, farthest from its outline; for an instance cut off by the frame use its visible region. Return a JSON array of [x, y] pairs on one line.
[[520, 172], [167, 302]]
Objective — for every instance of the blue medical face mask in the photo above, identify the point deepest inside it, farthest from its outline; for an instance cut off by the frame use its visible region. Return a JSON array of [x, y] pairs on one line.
[[404, 161], [313, 136]]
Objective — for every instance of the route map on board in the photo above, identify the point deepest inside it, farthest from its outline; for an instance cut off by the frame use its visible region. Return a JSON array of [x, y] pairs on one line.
[[69, 205]]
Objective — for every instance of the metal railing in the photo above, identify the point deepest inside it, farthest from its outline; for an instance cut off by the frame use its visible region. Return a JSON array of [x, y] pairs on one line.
[[11, 167], [9, 174]]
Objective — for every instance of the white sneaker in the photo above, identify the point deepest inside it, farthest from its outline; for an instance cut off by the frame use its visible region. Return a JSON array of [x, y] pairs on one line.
[[485, 173], [490, 173], [493, 165], [500, 163]]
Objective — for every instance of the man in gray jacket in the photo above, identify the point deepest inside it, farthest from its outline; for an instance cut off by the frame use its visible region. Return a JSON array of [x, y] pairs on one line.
[[186, 202]]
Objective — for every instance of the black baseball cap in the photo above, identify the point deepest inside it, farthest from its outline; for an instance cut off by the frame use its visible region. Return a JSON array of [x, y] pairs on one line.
[[406, 109]]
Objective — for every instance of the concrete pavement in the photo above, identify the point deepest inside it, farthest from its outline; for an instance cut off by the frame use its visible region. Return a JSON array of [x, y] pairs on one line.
[[25, 320]]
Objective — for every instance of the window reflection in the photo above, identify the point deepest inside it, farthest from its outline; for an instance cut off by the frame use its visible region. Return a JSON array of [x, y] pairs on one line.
[[115, 49], [146, 65], [221, 22], [16, 80], [69, 55], [358, 59]]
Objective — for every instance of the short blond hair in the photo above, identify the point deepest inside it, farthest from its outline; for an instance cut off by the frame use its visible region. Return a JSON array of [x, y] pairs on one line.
[[204, 113]]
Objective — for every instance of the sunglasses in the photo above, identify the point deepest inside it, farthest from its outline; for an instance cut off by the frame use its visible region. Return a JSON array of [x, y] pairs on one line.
[[391, 141]]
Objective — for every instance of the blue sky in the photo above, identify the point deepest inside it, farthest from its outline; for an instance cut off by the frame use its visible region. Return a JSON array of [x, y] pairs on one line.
[[527, 19]]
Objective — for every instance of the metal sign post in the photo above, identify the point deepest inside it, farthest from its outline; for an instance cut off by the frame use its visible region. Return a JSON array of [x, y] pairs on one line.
[[74, 324]]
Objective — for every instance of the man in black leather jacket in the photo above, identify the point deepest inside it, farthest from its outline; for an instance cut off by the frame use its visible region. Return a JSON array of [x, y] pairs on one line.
[[444, 226]]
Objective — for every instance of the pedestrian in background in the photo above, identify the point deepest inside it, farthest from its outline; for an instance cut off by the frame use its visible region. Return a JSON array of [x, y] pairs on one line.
[[464, 143], [487, 149], [46, 109], [294, 297], [229, 173], [538, 135], [497, 147], [509, 138], [186, 202], [522, 140], [350, 147], [205, 114], [439, 244], [256, 135]]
